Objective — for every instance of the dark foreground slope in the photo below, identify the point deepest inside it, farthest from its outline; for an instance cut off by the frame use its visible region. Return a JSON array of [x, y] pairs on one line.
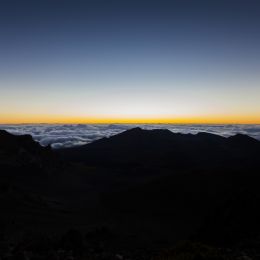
[[28, 173], [149, 189]]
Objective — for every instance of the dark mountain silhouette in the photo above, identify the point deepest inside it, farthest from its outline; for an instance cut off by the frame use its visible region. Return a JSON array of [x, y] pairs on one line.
[[137, 147], [152, 187]]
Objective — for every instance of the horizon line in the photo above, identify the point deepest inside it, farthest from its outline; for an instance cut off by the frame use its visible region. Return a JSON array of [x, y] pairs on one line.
[[129, 123]]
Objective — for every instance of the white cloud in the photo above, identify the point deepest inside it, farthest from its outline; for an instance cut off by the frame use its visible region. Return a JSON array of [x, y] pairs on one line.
[[59, 136]]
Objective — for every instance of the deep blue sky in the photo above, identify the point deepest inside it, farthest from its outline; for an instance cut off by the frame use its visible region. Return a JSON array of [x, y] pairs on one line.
[[101, 59]]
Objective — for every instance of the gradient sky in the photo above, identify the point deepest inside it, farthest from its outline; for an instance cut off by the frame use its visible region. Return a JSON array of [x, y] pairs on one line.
[[130, 61]]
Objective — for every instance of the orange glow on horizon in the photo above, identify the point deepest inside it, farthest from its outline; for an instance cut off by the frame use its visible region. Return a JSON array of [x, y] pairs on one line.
[[34, 119]]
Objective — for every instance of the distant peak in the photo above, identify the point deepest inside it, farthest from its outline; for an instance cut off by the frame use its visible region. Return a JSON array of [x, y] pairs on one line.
[[238, 135], [135, 129], [242, 137], [132, 131], [208, 135]]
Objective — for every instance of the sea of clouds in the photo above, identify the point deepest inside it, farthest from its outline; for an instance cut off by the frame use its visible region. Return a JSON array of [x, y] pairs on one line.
[[59, 136]]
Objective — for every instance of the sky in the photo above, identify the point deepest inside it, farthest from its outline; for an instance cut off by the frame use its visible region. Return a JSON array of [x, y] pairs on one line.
[[129, 61]]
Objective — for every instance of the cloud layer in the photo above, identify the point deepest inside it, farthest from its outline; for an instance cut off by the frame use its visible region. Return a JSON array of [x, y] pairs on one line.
[[59, 136]]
